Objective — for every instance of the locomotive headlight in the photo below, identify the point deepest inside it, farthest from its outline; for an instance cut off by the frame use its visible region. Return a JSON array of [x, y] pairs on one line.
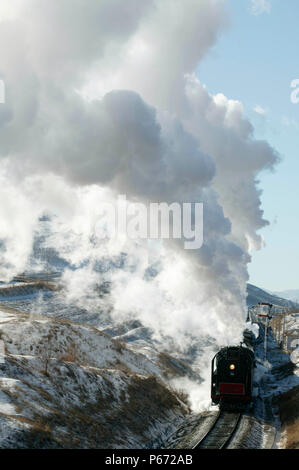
[[232, 367]]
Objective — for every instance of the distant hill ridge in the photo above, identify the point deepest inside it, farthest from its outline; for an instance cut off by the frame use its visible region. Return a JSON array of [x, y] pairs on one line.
[[291, 294], [255, 295]]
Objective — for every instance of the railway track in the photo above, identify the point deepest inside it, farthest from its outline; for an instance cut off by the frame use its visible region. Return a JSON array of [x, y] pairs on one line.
[[221, 432]]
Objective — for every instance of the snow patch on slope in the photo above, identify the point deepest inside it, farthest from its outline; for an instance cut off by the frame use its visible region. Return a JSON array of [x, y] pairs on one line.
[[65, 385]]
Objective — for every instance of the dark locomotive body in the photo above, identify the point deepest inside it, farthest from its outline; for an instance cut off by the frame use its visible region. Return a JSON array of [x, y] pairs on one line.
[[232, 377]]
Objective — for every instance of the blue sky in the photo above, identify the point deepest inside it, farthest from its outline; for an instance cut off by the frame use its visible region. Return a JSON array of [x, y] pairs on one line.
[[255, 61]]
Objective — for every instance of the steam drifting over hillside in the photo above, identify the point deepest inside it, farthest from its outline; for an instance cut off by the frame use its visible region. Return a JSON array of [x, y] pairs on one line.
[[102, 99]]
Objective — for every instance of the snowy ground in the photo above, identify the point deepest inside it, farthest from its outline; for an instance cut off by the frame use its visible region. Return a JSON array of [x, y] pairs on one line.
[[260, 426], [274, 377], [68, 367], [96, 312], [71, 386]]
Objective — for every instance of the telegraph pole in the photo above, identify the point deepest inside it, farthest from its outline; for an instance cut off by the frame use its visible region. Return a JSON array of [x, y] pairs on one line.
[[248, 315], [268, 318], [266, 337]]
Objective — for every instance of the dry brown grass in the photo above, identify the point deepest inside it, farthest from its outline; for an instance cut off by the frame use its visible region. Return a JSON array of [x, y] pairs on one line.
[[288, 405], [70, 355], [292, 436]]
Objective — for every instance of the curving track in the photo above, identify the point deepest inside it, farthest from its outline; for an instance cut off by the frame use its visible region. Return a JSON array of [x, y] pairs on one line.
[[221, 432]]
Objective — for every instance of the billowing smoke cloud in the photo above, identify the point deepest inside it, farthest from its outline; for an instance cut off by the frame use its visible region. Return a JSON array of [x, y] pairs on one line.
[[102, 99]]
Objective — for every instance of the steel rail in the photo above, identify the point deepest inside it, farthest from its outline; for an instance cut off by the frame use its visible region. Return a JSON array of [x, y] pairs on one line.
[[212, 439]]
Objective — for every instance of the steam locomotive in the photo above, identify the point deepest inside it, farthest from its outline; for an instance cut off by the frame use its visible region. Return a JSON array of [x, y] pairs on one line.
[[232, 377]]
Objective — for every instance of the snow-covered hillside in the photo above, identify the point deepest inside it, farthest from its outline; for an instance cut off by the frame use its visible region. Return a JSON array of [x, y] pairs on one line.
[[95, 310], [69, 385], [74, 377], [291, 294], [255, 295]]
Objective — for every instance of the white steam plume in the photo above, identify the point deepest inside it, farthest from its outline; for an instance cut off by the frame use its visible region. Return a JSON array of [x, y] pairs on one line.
[[102, 99]]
